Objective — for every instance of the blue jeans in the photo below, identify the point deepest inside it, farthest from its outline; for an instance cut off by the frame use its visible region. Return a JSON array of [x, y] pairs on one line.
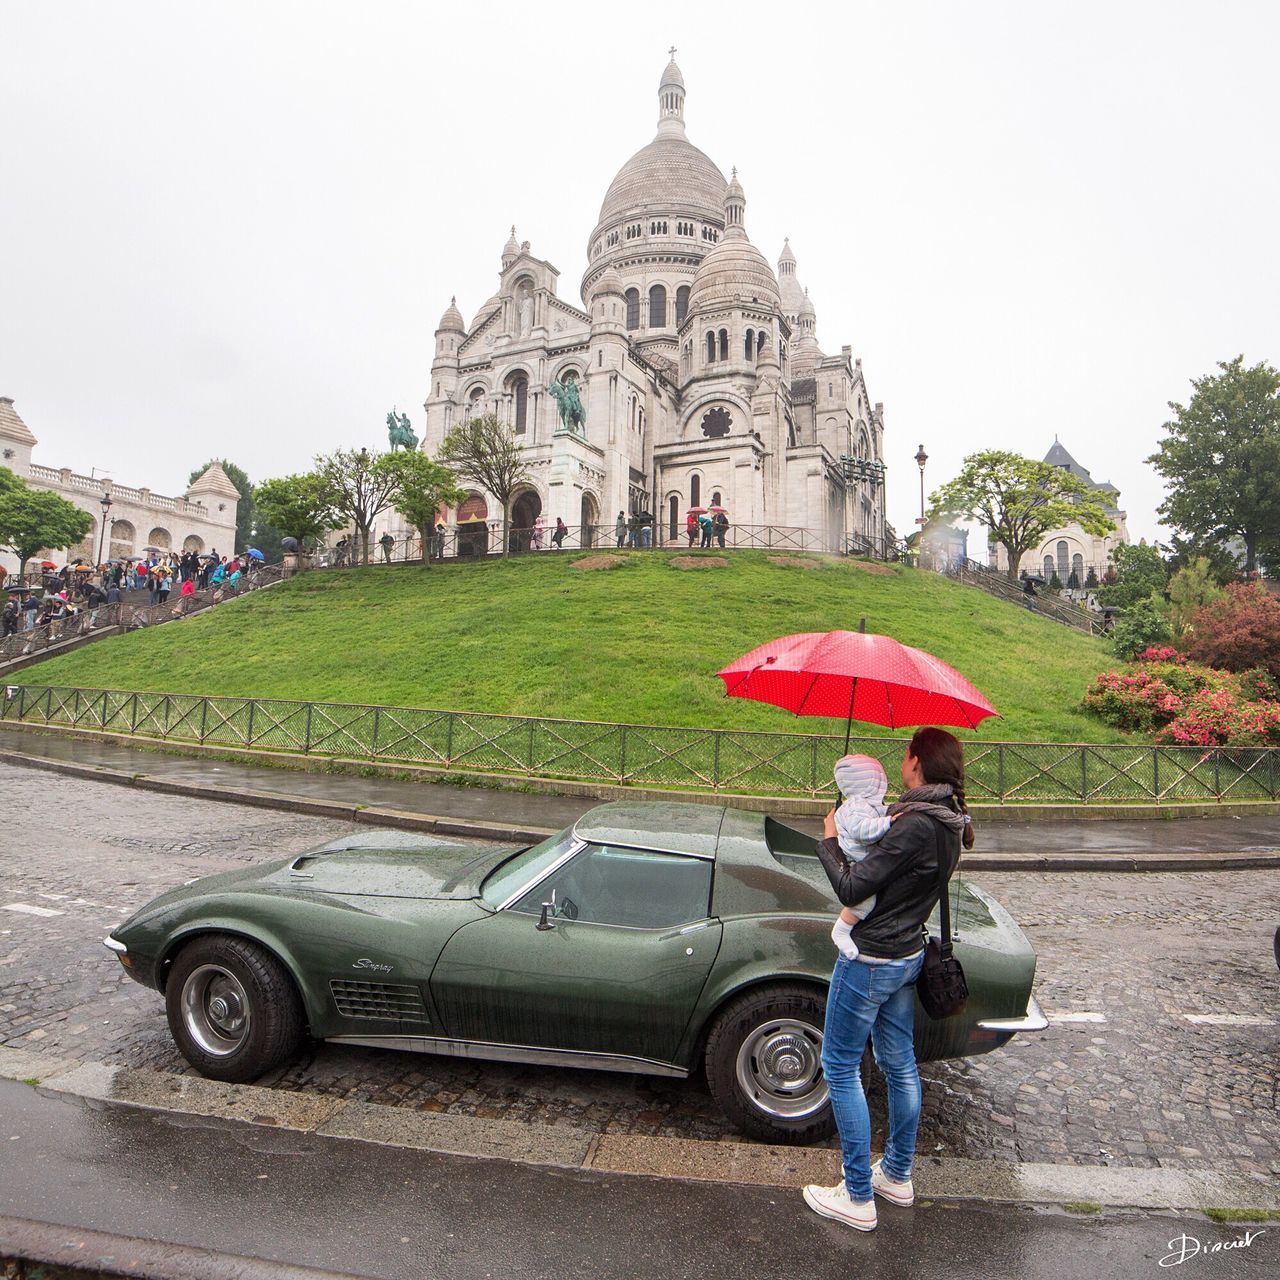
[[876, 1000]]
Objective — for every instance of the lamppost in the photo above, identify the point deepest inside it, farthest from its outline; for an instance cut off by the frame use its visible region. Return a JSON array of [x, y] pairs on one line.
[[921, 459], [105, 502], [866, 470]]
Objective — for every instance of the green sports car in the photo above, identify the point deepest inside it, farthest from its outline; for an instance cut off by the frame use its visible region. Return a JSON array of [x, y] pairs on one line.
[[647, 937]]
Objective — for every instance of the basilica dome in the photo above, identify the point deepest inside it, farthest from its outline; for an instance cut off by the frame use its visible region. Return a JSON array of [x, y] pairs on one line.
[[735, 270], [670, 174]]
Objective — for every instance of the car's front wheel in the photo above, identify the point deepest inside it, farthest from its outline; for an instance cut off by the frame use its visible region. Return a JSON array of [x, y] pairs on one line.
[[764, 1065], [233, 1009]]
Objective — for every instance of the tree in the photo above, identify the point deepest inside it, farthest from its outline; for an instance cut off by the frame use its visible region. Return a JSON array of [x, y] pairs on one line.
[[486, 453], [1140, 570], [246, 511], [359, 488], [1091, 579], [1190, 589], [1140, 627], [1240, 632], [1221, 459], [1018, 500], [1224, 566], [31, 519], [422, 487], [298, 506]]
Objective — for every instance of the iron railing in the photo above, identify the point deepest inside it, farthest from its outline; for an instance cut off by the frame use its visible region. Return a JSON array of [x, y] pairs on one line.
[[484, 538], [722, 760], [999, 584], [126, 615]]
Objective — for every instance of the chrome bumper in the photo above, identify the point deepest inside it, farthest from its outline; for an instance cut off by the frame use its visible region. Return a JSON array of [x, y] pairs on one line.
[[113, 944], [1032, 1020]]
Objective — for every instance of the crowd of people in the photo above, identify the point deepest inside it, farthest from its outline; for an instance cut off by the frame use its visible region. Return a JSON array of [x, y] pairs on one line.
[[49, 597]]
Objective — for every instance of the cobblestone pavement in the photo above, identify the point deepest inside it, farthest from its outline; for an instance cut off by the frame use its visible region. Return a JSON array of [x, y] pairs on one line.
[[1123, 1076]]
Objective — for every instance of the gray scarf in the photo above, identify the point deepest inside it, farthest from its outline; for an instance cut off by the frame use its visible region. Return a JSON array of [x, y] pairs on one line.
[[935, 799]]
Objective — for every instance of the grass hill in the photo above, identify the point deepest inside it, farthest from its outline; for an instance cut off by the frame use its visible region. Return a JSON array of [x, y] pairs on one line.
[[637, 638]]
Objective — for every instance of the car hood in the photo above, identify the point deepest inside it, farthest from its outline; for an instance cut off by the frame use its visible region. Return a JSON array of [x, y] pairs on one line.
[[390, 864]]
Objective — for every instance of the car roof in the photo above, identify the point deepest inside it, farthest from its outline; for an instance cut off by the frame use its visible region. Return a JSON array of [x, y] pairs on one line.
[[692, 829]]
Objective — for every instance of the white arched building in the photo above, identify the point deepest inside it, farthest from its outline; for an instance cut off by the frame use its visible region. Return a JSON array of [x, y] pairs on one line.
[[698, 368], [203, 519]]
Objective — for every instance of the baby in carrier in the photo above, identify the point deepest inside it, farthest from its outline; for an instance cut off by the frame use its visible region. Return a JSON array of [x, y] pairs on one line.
[[861, 820]]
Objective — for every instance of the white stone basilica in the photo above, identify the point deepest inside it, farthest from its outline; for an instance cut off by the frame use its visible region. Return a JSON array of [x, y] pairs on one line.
[[698, 368]]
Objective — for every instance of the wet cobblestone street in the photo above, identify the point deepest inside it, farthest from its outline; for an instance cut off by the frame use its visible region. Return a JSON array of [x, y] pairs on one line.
[[1162, 992]]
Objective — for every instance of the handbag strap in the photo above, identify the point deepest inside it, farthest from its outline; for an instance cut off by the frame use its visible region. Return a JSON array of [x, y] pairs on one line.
[[944, 905]]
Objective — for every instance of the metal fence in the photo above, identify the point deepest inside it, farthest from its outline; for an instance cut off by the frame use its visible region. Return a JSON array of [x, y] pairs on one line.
[[998, 584], [484, 538], [723, 760], [127, 615]]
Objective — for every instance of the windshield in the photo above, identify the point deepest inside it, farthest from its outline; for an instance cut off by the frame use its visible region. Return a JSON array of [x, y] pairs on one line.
[[526, 867]]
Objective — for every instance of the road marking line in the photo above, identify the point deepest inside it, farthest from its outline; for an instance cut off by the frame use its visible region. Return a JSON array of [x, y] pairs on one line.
[[1077, 1017], [1229, 1020], [28, 910]]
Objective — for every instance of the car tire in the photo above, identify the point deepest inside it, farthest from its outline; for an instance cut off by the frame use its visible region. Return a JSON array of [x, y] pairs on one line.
[[764, 1067], [234, 1011]]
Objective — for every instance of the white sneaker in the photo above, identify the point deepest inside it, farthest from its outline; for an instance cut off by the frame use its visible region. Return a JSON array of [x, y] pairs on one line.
[[834, 1202], [901, 1193]]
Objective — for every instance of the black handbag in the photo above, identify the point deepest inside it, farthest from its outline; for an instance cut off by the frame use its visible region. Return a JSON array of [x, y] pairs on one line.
[[941, 985]]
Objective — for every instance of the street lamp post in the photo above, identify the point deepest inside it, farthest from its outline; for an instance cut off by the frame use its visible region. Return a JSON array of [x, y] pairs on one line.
[[921, 459], [105, 502]]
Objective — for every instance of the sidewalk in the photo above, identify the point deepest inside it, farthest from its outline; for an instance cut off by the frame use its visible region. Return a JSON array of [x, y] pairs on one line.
[[1215, 843]]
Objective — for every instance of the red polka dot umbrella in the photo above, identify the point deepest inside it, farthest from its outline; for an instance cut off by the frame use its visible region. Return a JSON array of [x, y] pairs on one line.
[[856, 676]]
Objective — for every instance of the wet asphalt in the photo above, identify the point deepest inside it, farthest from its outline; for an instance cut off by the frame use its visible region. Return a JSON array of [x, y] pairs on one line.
[[368, 1210], [551, 812]]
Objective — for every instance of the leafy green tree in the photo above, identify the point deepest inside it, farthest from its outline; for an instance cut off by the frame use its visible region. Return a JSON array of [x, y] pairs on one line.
[[298, 506], [1091, 579], [31, 519], [1140, 570], [486, 453], [246, 510], [422, 487], [1190, 589], [1140, 627], [1018, 500], [1221, 459], [1181, 552], [360, 488]]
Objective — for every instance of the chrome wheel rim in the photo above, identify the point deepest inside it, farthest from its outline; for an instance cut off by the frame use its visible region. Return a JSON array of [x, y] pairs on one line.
[[215, 1010], [779, 1069]]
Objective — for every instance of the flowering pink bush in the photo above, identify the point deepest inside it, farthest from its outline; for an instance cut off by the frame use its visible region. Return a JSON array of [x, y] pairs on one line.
[[1181, 702], [1162, 653]]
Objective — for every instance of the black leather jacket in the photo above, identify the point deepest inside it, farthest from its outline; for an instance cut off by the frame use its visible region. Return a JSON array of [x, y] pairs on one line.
[[902, 871]]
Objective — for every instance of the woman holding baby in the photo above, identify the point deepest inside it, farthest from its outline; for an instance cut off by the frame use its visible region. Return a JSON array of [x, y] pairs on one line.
[[889, 889]]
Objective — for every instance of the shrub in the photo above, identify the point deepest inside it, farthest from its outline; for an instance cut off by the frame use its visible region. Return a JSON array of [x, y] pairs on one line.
[[1091, 579], [1139, 628], [1239, 632], [1190, 589], [1161, 653], [1221, 717]]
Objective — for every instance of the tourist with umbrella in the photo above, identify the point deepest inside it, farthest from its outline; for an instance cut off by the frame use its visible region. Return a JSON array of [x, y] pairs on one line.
[[691, 524], [872, 995]]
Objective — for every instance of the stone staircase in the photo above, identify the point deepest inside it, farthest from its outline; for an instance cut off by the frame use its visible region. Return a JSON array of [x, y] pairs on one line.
[[995, 583]]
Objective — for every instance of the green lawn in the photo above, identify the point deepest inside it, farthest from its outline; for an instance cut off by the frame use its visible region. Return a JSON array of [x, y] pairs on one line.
[[640, 643]]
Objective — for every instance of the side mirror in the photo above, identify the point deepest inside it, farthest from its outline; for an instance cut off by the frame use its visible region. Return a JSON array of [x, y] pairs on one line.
[[545, 920]]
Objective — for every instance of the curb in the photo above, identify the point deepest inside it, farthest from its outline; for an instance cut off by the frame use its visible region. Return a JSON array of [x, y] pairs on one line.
[[437, 824], [96, 1253], [783, 806], [559, 1146]]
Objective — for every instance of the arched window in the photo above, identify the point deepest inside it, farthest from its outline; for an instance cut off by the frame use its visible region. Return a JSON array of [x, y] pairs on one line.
[[1063, 559], [657, 307], [475, 402], [695, 490], [682, 303], [633, 413], [724, 344], [633, 308], [759, 344], [749, 344], [673, 517], [1048, 568], [711, 346], [1077, 567], [715, 498], [518, 386]]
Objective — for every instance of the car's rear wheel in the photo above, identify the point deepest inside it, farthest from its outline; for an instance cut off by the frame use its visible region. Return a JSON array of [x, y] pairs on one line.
[[233, 1009], [764, 1065]]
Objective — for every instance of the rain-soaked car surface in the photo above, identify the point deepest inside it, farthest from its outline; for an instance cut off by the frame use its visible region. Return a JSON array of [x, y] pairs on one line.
[[653, 938]]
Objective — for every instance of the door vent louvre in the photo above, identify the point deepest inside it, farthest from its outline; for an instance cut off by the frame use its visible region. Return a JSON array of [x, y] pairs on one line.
[[382, 1000]]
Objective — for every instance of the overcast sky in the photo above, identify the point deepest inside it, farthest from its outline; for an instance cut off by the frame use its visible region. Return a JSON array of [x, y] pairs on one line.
[[231, 229]]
